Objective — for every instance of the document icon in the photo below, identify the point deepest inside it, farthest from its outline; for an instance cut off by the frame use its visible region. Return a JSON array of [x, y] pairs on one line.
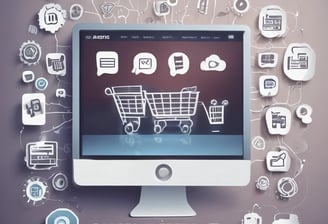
[[278, 161]]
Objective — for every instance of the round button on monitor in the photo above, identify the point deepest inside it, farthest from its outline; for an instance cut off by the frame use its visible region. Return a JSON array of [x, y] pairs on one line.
[[163, 172]]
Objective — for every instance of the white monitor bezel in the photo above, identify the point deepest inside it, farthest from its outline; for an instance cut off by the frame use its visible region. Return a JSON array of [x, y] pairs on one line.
[[142, 172]]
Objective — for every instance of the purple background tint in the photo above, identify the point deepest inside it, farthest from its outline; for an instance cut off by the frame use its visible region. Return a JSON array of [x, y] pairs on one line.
[[105, 205], [99, 114]]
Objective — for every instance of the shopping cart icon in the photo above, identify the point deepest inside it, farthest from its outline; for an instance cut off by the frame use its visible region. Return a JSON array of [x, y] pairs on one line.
[[215, 112], [173, 106], [130, 104]]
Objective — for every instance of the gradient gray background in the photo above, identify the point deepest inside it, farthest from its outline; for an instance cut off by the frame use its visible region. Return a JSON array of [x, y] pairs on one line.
[[105, 205]]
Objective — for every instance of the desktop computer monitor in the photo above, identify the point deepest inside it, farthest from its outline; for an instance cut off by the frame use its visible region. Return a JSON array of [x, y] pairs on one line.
[[163, 107]]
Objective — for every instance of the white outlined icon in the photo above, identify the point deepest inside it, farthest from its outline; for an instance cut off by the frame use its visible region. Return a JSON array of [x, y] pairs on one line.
[[75, 12], [51, 17], [178, 63], [34, 109], [107, 62], [28, 76], [262, 183], [258, 143], [287, 187], [56, 64], [304, 112], [286, 219], [299, 62], [145, 63], [251, 218], [267, 60], [32, 29], [36, 191], [202, 6], [213, 63], [272, 21], [278, 120], [240, 6], [161, 8], [106, 9], [268, 85], [42, 155], [61, 93], [278, 161], [30, 53]]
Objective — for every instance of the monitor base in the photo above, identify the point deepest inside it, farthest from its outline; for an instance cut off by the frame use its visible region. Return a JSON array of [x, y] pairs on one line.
[[163, 201]]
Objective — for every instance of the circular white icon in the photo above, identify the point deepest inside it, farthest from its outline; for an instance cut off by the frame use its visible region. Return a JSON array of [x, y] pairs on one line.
[[35, 191], [241, 6], [263, 183], [299, 62], [51, 17], [76, 11], [304, 112], [287, 187], [30, 53], [272, 21]]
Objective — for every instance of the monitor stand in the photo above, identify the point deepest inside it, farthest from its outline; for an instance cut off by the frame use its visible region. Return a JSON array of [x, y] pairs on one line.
[[163, 201]]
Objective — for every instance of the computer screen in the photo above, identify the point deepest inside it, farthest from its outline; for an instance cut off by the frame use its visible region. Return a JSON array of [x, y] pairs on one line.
[[148, 96]]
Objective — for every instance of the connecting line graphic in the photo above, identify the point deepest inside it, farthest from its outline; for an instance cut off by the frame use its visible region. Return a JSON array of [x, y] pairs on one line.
[[185, 12], [301, 162], [213, 16], [60, 46], [54, 128], [21, 136]]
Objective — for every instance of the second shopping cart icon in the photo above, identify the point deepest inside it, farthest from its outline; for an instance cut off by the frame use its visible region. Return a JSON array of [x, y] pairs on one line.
[[178, 107]]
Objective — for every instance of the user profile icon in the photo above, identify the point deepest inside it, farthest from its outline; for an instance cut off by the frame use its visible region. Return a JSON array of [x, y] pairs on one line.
[[62, 216]]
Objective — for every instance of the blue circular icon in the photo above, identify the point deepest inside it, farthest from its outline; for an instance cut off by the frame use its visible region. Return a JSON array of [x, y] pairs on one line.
[[41, 83], [62, 216]]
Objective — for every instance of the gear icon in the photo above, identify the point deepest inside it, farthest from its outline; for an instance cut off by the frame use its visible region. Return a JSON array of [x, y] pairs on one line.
[[30, 53], [51, 17], [36, 191]]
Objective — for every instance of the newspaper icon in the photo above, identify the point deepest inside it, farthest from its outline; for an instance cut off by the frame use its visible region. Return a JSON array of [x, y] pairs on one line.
[[299, 62], [272, 21], [42, 155]]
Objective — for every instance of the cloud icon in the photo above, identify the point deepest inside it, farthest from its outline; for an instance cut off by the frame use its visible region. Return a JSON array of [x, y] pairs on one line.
[[213, 63]]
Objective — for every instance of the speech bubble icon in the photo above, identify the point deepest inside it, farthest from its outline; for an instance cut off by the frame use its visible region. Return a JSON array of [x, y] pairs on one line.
[[145, 63], [107, 62], [61, 93], [178, 63]]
